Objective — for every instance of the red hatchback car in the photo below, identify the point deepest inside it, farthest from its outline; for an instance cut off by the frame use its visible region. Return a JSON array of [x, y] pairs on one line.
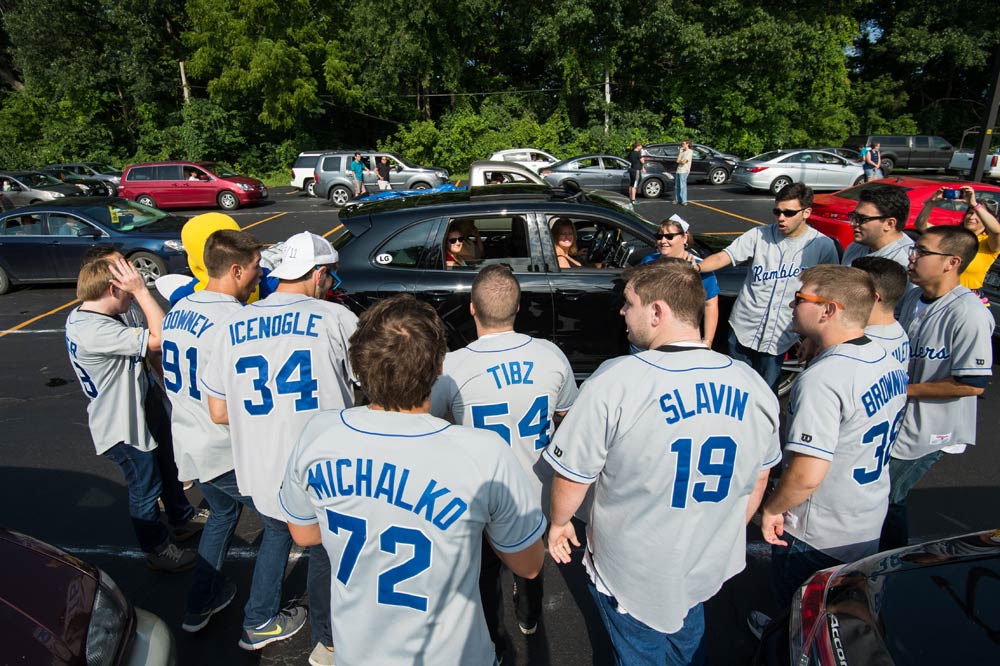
[[189, 184], [829, 211]]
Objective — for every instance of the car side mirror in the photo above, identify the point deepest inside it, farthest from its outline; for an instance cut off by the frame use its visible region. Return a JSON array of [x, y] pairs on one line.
[[397, 168]]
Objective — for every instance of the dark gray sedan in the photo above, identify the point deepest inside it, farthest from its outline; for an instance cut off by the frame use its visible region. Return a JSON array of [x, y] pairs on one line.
[[605, 172], [27, 187]]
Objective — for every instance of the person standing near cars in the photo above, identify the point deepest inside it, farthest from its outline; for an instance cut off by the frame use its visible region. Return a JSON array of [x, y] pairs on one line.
[[635, 160], [684, 157], [872, 163], [358, 171], [382, 170]]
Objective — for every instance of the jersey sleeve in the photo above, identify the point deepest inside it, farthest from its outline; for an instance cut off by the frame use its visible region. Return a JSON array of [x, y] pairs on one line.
[[972, 346], [293, 495], [568, 392], [828, 254], [347, 323], [580, 446], [770, 415], [110, 337], [743, 247], [814, 417], [516, 518]]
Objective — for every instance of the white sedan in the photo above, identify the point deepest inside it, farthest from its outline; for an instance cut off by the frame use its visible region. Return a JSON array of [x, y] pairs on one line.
[[818, 169], [534, 159]]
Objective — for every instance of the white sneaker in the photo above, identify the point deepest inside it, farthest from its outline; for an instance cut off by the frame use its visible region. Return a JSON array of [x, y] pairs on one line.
[[758, 622], [321, 656]]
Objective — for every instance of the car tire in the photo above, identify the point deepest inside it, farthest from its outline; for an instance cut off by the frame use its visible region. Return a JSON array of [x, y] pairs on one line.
[[718, 176], [4, 282], [420, 186], [339, 196], [860, 180], [149, 266], [145, 200], [652, 188], [779, 183], [787, 380], [310, 187], [887, 166], [228, 201]]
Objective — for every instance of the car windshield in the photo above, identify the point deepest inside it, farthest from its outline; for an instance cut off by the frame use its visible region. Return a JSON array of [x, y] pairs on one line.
[[40, 179], [105, 169], [125, 216], [766, 157], [219, 170], [407, 163]]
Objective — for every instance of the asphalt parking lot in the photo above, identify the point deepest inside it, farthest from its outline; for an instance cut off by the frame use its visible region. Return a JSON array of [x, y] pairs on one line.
[[53, 487]]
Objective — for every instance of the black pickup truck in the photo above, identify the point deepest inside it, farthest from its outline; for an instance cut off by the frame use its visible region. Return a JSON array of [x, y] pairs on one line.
[[907, 151]]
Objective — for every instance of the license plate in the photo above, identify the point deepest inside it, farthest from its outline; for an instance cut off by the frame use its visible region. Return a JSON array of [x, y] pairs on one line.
[[992, 280], [263, 192]]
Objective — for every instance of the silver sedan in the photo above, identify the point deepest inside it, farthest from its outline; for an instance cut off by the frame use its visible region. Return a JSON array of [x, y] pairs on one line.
[[818, 169]]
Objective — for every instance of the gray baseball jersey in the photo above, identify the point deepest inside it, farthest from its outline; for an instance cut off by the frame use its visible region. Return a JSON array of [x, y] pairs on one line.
[[512, 384], [761, 318], [402, 501], [276, 363], [898, 251], [846, 408], [951, 337], [894, 340], [201, 448], [674, 439], [107, 357]]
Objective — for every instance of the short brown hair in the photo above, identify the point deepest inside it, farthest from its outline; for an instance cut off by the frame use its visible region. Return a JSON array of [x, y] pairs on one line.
[[496, 295], [100, 251], [673, 281], [397, 352], [888, 277], [226, 247], [850, 287], [94, 279], [956, 241]]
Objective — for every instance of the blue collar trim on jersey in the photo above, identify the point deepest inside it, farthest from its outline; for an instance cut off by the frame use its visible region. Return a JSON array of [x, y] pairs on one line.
[[494, 351], [677, 348], [391, 434]]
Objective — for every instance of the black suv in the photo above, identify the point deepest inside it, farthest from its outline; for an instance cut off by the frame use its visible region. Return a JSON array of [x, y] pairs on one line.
[[707, 164], [397, 246]]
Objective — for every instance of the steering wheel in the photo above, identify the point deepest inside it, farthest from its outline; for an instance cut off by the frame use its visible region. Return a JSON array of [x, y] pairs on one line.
[[598, 245]]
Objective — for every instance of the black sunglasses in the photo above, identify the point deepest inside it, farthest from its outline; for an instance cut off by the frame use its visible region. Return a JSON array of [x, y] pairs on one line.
[[858, 219], [456, 239], [669, 236], [787, 212]]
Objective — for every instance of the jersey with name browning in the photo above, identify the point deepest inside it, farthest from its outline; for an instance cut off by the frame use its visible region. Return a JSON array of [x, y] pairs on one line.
[[951, 337], [846, 408], [761, 318], [512, 384], [898, 251], [201, 448], [894, 340], [276, 363], [675, 439], [107, 357], [402, 501]]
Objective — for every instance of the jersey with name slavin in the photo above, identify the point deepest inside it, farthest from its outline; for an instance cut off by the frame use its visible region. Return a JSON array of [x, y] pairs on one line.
[[276, 363], [402, 501]]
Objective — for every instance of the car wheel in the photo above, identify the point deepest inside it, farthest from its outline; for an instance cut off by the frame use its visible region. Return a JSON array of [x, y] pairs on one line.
[[887, 165], [780, 183], [311, 187], [420, 186], [145, 200], [652, 188], [4, 282], [339, 196], [228, 201], [860, 180], [149, 266], [718, 176], [789, 373]]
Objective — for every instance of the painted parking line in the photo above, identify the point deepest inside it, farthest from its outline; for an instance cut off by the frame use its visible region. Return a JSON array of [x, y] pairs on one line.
[[331, 231], [266, 219], [41, 316], [726, 212]]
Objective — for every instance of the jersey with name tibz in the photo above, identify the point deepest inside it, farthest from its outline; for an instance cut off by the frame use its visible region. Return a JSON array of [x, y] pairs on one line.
[[402, 501], [201, 448], [512, 384], [276, 363], [846, 408], [107, 357], [675, 439]]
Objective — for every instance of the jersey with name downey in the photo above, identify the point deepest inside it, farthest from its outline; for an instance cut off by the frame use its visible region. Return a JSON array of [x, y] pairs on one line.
[[894, 340], [846, 408], [674, 439], [898, 251], [201, 448], [761, 318], [107, 358], [512, 384], [276, 363], [951, 337], [402, 501]]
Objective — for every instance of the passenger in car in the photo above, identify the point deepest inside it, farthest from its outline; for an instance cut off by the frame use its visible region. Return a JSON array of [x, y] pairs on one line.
[[564, 240], [472, 249], [454, 241]]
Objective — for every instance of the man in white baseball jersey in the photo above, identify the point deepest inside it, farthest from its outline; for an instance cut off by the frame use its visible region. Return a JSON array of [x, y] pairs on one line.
[[400, 500], [878, 222], [516, 386], [679, 441], [760, 324], [890, 283], [845, 411], [107, 356], [951, 361], [203, 448], [276, 363]]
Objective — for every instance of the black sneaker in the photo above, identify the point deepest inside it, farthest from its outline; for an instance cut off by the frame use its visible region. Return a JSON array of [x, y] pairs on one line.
[[284, 625], [171, 559], [194, 525], [196, 620]]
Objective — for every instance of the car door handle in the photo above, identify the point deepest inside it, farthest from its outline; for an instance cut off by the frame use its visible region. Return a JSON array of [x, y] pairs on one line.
[[437, 295], [570, 294]]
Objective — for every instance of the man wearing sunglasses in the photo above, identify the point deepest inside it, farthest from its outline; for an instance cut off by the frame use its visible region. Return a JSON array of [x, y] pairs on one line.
[[277, 363], [760, 324], [878, 222], [951, 361]]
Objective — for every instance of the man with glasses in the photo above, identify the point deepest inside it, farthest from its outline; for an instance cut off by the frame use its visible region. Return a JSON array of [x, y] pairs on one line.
[[278, 362], [951, 361], [878, 222], [760, 324], [844, 412]]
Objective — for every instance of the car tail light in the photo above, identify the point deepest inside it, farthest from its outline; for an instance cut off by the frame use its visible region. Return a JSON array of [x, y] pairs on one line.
[[993, 162], [756, 169], [315, 176], [839, 216], [807, 627]]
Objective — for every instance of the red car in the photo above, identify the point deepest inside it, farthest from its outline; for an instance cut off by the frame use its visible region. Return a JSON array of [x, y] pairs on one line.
[[189, 184], [829, 211]]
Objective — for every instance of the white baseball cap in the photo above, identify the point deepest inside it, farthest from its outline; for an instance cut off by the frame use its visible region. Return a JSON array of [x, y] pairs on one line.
[[302, 253]]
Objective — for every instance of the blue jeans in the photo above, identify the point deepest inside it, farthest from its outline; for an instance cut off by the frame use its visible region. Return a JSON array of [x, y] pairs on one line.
[[318, 585], [226, 502], [681, 187], [903, 475], [766, 365], [157, 416], [793, 565], [636, 644]]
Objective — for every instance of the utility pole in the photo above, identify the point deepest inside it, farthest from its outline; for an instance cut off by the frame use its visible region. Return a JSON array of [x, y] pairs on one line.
[[989, 119], [184, 85], [607, 101]]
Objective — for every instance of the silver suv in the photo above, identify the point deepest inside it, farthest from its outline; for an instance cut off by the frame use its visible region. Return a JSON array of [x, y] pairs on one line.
[[334, 179], [304, 168]]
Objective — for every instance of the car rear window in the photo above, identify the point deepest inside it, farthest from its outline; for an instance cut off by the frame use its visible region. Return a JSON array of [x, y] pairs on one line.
[[305, 161]]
